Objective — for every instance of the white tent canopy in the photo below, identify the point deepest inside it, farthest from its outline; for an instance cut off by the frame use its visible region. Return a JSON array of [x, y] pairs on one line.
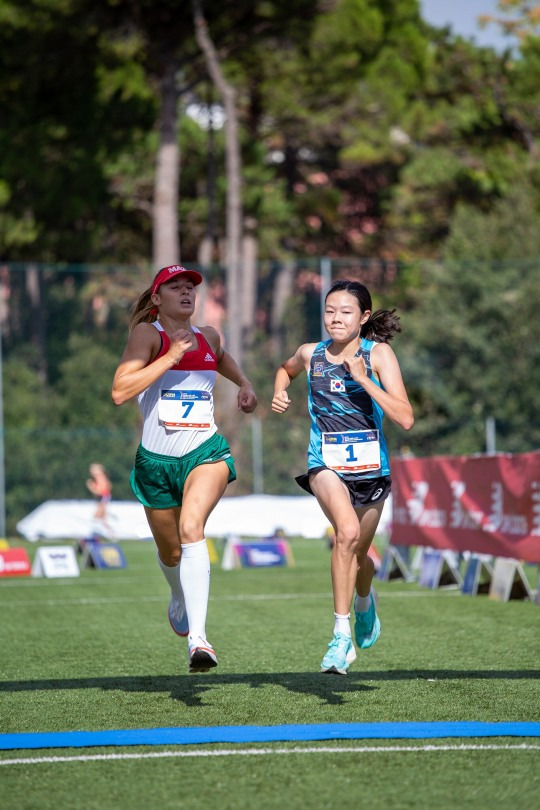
[[247, 516]]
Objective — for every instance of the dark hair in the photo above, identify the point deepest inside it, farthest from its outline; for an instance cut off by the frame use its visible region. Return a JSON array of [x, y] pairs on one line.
[[381, 325]]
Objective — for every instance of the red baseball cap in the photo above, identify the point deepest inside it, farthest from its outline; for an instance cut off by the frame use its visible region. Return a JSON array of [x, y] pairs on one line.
[[167, 273]]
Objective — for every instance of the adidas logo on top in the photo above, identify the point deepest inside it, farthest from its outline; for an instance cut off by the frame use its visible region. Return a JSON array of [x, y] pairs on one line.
[[208, 358]]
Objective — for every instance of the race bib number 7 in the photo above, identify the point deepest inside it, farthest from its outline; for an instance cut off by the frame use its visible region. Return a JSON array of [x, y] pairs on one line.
[[185, 410], [354, 451]]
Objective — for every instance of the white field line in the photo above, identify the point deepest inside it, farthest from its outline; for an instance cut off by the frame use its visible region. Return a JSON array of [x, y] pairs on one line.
[[113, 600], [383, 749], [255, 597], [152, 573], [73, 582]]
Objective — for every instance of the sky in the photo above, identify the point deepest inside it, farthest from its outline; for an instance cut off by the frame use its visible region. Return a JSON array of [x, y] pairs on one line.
[[461, 15]]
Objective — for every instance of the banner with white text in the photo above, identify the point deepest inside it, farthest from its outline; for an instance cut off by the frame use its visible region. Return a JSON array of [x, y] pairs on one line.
[[484, 504]]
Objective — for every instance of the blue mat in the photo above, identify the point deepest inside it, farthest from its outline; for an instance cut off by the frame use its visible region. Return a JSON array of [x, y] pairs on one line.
[[260, 734]]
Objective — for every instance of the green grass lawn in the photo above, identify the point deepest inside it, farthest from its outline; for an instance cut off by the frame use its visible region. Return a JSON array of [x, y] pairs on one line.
[[98, 653]]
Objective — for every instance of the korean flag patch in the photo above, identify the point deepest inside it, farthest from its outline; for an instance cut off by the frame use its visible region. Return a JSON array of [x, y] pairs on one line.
[[337, 386]]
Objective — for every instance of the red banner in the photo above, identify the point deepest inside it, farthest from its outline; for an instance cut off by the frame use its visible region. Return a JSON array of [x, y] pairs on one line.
[[14, 562], [485, 504]]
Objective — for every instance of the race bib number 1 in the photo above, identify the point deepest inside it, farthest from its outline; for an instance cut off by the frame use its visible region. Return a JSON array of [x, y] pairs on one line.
[[354, 451], [185, 410]]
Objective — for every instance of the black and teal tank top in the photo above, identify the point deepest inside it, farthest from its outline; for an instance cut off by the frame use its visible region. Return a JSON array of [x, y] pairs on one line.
[[346, 423]]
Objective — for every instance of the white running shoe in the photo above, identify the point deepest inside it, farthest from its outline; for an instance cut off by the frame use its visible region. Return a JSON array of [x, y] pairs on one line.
[[178, 617], [201, 655]]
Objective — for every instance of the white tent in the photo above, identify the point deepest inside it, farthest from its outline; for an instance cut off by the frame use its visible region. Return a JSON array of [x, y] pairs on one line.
[[75, 520], [247, 516]]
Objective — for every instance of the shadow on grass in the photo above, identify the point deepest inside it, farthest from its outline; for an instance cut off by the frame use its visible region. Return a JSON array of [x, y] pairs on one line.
[[330, 689], [190, 689]]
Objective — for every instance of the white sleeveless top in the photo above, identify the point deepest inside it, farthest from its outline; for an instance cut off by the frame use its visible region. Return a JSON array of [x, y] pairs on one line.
[[178, 408]]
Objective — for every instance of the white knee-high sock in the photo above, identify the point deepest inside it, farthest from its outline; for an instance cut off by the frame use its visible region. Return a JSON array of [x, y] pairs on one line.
[[195, 582], [172, 575]]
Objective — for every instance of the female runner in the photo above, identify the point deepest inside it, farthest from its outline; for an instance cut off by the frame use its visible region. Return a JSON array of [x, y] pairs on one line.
[[354, 379], [182, 466]]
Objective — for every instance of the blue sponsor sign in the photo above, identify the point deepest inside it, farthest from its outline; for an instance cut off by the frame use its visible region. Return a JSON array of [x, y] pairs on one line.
[[477, 577], [395, 564], [432, 563], [103, 555], [438, 569], [263, 554]]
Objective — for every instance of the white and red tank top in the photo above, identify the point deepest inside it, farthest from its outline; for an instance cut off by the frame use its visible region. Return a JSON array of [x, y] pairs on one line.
[[178, 408]]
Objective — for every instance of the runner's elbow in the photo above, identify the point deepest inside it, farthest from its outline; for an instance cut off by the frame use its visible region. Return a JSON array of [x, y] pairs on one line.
[[117, 397], [408, 421]]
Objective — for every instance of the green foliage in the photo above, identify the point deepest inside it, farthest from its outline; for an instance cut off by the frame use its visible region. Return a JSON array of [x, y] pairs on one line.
[[351, 32], [386, 122], [75, 101], [364, 132], [52, 435], [86, 396], [27, 403], [471, 131], [54, 429], [471, 349], [285, 437]]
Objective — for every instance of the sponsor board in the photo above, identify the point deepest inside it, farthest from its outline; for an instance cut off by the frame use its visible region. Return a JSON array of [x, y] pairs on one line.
[[14, 562], [484, 505], [55, 562], [256, 554]]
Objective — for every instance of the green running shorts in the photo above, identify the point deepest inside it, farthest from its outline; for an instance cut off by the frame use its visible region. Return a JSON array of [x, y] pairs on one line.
[[158, 481]]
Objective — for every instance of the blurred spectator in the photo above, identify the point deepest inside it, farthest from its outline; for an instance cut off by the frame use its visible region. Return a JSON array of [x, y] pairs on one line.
[[100, 486]]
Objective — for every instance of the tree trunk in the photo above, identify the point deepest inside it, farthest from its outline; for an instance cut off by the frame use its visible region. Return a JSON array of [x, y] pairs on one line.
[[34, 289], [233, 168], [249, 286], [283, 288], [166, 242]]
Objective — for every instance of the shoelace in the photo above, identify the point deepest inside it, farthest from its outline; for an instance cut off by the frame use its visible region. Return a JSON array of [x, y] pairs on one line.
[[337, 642]]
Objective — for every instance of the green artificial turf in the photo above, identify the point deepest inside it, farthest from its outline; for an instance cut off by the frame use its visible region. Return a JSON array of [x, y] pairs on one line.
[[98, 653]]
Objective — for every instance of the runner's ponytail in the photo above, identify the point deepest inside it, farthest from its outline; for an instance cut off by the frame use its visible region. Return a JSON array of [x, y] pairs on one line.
[[381, 325], [143, 310]]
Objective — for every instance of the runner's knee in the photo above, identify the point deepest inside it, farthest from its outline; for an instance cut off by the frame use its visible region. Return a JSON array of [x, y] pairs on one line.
[[169, 556], [191, 529], [347, 538]]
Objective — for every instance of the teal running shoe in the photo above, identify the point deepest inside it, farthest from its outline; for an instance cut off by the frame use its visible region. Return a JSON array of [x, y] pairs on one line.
[[367, 627], [340, 654], [178, 617]]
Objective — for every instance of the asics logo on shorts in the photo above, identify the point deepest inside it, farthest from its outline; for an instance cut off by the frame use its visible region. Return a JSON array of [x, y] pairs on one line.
[[376, 494]]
